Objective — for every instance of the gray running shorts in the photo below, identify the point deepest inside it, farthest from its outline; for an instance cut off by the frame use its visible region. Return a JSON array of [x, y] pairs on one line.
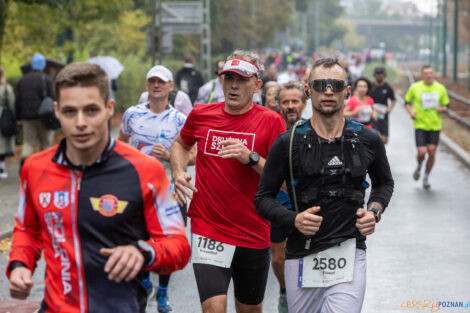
[[340, 298]]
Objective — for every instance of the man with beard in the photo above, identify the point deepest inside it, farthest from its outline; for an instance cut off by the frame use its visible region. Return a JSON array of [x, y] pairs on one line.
[[291, 100], [324, 162], [383, 95]]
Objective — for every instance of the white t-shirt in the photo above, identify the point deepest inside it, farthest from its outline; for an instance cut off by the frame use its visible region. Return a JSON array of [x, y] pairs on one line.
[[146, 128]]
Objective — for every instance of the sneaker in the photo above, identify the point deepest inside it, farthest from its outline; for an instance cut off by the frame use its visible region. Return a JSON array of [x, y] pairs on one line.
[[149, 288], [426, 184], [282, 304], [416, 173], [163, 305], [3, 175]]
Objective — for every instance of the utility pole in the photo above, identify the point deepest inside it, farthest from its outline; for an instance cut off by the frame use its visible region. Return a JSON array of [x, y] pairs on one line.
[[206, 40], [431, 39], [438, 38], [153, 32], [444, 41], [456, 38]]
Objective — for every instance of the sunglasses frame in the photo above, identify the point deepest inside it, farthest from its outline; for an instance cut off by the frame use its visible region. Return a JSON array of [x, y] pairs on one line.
[[329, 83]]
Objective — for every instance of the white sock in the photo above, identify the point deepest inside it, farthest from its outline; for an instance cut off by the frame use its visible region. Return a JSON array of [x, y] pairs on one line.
[[426, 176], [2, 165]]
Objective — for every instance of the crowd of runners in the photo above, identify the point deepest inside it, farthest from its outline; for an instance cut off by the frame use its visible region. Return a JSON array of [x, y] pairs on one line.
[[283, 163]]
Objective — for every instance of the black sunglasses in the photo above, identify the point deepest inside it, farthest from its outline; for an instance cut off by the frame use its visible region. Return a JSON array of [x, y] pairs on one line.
[[320, 85]]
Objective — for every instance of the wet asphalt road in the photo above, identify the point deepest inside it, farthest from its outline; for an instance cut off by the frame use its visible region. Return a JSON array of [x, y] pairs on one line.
[[420, 250]]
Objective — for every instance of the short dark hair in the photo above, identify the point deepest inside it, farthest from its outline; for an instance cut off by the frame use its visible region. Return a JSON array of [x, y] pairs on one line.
[[362, 78], [188, 58], [84, 75], [291, 85], [425, 67], [327, 63]]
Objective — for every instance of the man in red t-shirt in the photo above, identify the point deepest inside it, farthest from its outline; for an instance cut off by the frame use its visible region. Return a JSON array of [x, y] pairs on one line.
[[229, 239]]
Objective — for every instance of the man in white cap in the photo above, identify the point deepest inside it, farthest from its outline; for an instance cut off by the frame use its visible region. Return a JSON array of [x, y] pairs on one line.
[[177, 98], [229, 240], [151, 127]]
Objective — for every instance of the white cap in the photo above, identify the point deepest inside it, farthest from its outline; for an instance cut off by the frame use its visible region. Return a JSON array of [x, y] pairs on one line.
[[161, 72]]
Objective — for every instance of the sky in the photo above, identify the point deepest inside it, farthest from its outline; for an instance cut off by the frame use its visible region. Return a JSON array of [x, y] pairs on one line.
[[427, 6]]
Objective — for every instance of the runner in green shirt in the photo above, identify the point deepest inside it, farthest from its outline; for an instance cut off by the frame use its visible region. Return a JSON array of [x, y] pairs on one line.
[[425, 101]]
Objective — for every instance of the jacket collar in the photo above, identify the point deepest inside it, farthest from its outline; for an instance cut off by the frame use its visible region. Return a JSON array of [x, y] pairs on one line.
[[61, 159]]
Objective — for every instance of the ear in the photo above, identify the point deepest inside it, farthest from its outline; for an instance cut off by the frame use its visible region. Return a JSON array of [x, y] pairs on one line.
[[348, 92], [172, 86], [110, 108], [307, 91], [56, 109], [259, 83]]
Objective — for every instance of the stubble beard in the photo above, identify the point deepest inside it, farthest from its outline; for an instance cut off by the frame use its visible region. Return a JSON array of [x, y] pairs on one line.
[[327, 111]]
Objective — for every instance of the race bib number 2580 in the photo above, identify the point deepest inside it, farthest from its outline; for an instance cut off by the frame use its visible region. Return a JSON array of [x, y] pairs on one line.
[[330, 267], [209, 251]]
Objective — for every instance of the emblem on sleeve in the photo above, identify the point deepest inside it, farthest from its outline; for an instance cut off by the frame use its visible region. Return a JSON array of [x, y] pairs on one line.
[[61, 199], [108, 205], [45, 199]]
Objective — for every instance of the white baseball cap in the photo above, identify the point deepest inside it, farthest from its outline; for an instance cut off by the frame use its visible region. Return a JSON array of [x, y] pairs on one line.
[[161, 72]]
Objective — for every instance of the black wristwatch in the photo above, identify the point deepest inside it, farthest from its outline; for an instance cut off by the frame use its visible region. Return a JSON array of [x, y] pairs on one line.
[[254, 158], [377, 214], [147, 251]]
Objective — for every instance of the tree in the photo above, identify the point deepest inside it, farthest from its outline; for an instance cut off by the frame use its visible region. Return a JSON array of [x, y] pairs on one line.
[[233, 27], [35, 24]]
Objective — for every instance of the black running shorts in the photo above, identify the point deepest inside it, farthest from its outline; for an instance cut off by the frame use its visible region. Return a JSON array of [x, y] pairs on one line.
[[249, 271], [381, 126], [278, 233], [426, 137]]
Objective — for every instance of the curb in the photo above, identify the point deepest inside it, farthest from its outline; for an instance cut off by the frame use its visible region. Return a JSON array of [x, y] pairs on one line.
[[460, 153], [6, 234]]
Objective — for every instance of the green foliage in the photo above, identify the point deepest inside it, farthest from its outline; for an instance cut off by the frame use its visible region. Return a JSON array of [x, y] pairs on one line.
[[131, 82]]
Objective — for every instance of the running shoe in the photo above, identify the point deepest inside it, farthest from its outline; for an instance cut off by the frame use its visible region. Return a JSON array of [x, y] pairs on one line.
[[3, 174], [416, 173], [163, 305], [426, 184], [282, 304], [149, 288]]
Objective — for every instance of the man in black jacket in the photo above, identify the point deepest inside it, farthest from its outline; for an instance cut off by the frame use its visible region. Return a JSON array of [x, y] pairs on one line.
[[325, 267], [31, 90], [188, 78]]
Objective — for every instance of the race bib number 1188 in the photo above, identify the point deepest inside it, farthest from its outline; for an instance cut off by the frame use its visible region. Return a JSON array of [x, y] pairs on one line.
[[209, 251]]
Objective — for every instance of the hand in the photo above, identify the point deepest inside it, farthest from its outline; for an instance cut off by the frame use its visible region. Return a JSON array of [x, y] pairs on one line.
[[161, 152], [183, 187], [413, 115], [388, 110], [20, 283], [441, 109], [374, 115], [307, 222], [233, 149], [366, 222], [124, 262]]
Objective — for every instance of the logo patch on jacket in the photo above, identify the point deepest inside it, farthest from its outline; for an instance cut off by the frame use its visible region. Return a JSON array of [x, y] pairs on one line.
[[61, 199], [45, 199], [108, 205]]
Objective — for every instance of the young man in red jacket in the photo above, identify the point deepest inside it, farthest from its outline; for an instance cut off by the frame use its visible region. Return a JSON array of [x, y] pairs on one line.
[[99, 209]]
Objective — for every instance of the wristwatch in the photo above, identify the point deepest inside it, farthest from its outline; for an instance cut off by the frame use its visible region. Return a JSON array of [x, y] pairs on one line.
[[377, 214], [254, 158], [147, 251]]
